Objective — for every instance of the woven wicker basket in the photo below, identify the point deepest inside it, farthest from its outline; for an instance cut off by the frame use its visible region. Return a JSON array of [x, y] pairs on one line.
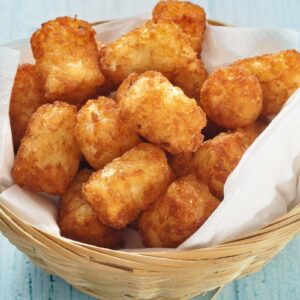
[[109, 274]]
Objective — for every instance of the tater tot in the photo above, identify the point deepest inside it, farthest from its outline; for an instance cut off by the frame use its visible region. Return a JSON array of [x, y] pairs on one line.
[[157, 46], [128, 185], [279, 76], [191, 78], [67, 60], [79, 222], [101, 134], [213, 162], [231, 98], [176, 215], [182, 164], [188, 16], [25, 99], [48, 157], [161, 113], [252, 131]]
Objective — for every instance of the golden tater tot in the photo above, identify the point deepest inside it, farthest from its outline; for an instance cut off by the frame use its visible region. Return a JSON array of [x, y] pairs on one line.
[[160, 112], [182, 164], [128, 185], [79, 222], [25, 99], [101, 134], [157, 46], [176, 215], [231, 97], [252, 131], [67, 60], [278, 74], [188, 16], [108, 86], [191, 78], [48, 157], [213, 162]]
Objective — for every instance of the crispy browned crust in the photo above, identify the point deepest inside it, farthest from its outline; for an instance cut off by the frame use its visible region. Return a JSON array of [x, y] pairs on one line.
[[25, 99], [160, 112], [191, 78], [232, 97], [188, 16], [101, 134], [79, 222], [213, 162], [252, 131], [160, 46], [278, 74], [48, 157], [67, 60], [175, 216], [128, 185]]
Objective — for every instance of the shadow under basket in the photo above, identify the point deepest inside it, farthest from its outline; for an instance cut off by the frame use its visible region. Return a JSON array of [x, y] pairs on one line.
[[110, 274]]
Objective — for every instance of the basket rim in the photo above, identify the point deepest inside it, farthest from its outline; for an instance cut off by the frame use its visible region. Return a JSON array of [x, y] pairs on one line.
[[293, 216]]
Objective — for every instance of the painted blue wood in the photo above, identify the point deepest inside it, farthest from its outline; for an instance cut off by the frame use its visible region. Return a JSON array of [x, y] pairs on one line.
[[19, 278]]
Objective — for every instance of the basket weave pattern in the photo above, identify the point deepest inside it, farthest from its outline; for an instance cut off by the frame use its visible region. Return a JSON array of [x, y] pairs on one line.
[[109, 274]]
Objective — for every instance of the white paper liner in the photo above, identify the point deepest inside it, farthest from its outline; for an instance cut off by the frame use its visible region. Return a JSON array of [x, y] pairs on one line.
[[264, 185]]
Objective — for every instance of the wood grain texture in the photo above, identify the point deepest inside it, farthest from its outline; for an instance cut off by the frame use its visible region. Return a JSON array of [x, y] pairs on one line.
[[19, 279]]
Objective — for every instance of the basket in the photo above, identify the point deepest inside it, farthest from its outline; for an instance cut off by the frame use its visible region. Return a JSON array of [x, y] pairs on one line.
[[111, 274]]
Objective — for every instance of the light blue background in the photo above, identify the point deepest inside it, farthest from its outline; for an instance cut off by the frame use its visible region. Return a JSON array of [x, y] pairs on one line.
[[19, 279]]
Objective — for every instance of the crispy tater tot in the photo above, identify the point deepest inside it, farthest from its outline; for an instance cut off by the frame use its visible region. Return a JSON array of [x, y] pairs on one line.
[[279, 75], [176, 215], [48, 157], [231, 97], [182, 164], [67, 60], [191, 78], [252, 131], [79, 222], [188, 16], [101, 134], [108, 86], [157, 46], [26, 98], [128, 185], [160, 112], [213, 161]]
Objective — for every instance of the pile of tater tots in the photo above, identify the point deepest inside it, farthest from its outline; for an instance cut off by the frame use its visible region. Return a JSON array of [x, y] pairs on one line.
[[136, 133]]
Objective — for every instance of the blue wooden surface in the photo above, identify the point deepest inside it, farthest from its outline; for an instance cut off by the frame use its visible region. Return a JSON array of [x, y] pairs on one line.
[[19, 279]]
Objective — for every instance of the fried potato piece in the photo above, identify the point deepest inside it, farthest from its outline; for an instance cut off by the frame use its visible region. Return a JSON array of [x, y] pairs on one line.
[[278, 74], [252, 131], [25, 99], [160, 112], [231, 97], [176, 215], [67, 60], [108, 86], [48, 157], [157, 46], [213, 162], [182, 164], [79, 222], [128, 185], [101, 134], [191, 78], [188, 16]]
